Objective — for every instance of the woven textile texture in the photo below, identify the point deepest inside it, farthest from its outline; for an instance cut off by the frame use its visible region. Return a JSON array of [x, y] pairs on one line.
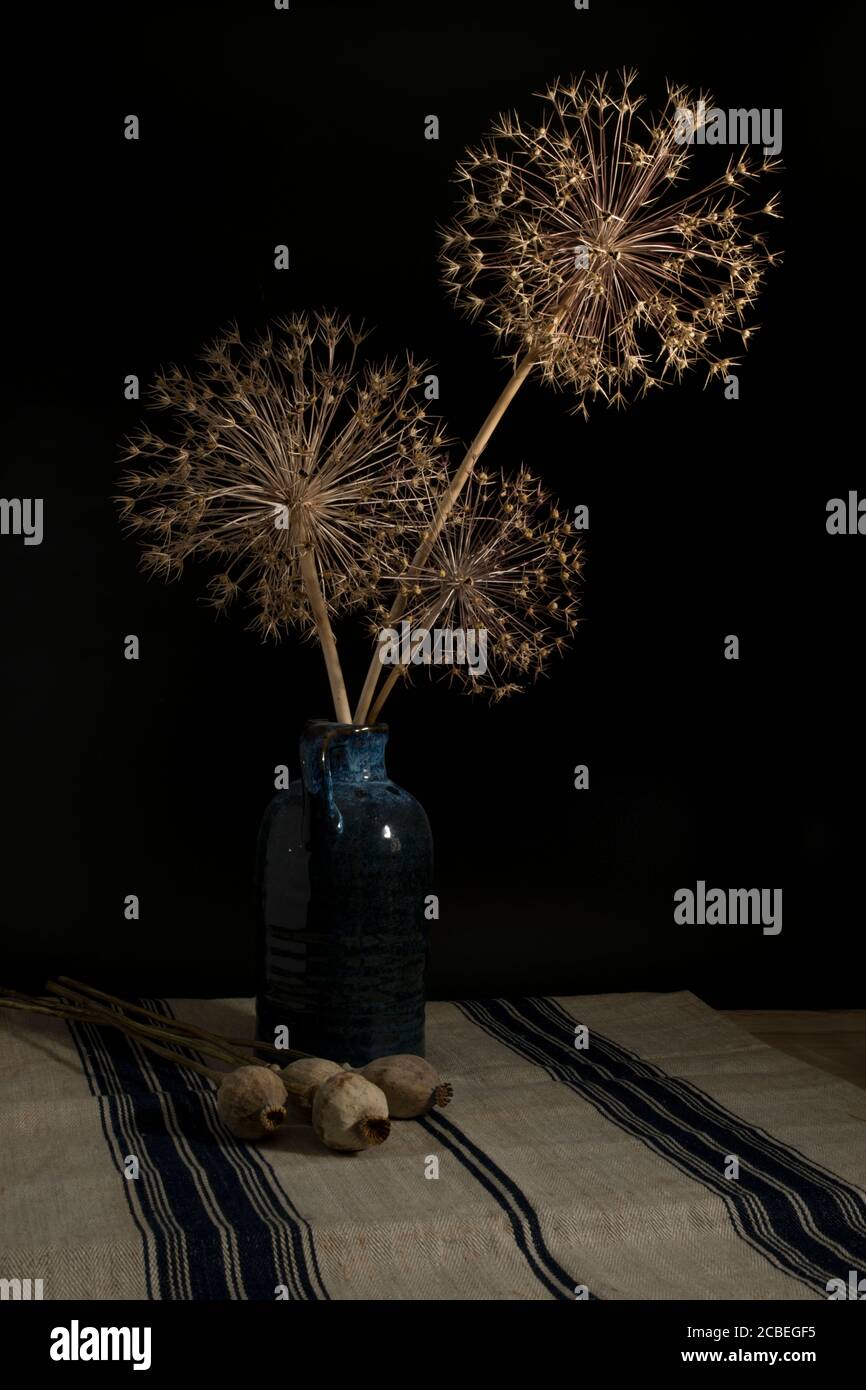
[[672, 1156]]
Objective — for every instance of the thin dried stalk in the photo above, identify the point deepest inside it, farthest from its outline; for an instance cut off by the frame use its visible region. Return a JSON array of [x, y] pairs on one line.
[[385, 692], [210, 1072], [103, 1018], [430, 617], [92, 1013], [178, 1025], [327, 640], [473, 453], [216, 1049]]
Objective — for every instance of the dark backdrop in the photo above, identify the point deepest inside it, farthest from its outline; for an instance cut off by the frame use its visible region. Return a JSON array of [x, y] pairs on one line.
[[707, 517]]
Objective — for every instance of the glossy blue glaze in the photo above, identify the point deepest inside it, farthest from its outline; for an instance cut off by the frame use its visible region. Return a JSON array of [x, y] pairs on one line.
[[344, 867]]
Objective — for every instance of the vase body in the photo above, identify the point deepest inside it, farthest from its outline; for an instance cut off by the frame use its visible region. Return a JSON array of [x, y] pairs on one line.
[[344, 871]]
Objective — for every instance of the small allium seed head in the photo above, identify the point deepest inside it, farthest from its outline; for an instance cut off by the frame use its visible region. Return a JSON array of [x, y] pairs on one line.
[[499, 547]]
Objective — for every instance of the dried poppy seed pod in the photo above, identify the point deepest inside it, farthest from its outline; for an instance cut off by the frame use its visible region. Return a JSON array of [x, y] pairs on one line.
[[309, 1073], [411, 1085], [350, 1113], [251, 1102]]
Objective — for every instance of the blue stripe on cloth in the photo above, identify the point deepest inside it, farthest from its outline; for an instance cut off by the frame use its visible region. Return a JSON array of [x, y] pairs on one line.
[[108, 1117], [213, 1236], [849, 1200], [114, 1079], [787, 1208], [298, 1255], [504, 1190]]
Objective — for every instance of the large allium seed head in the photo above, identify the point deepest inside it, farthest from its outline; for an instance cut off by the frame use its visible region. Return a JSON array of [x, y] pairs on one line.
[[506, 561], [280, 446], [575, 241]]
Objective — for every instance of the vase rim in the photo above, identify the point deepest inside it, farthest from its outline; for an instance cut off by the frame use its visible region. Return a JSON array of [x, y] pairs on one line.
[[313, 724]]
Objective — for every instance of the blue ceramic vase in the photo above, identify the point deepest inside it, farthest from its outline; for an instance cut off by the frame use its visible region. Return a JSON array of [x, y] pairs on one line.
[[345, 868]]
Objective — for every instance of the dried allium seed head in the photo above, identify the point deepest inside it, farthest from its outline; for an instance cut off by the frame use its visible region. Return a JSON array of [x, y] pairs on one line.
[[507, 564], [574, 242], [282, 446]]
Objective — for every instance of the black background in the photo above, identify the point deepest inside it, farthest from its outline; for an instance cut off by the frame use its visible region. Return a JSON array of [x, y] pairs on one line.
[[707, 516]]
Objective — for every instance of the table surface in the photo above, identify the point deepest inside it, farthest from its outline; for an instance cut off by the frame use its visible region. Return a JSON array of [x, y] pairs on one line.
[[832, 1039], [561, 1168]]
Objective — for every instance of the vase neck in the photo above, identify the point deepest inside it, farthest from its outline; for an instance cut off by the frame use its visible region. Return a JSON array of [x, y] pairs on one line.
[[342, 753]]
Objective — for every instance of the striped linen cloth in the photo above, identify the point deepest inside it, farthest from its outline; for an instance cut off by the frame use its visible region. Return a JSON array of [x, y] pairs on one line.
[[601, 1172]]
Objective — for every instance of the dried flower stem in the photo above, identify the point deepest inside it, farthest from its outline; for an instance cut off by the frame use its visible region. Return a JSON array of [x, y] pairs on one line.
[[474, 452], [210, 1072], [216, 1047], [89, 1012], [385, 692], [396, 671], [102, 1018], [177, 1025], [327, 640]]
